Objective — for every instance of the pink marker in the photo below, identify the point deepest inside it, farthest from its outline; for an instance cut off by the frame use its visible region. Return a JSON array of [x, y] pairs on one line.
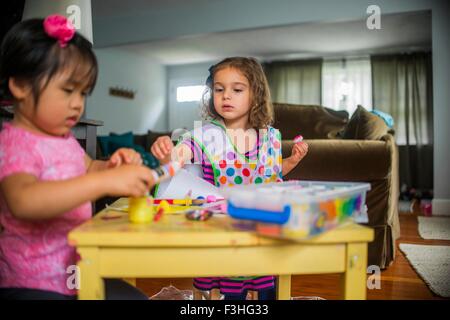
[[298, 139]]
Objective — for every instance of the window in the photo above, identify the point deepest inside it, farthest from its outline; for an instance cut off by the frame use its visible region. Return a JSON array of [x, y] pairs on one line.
[[190, 93], [347, 83]]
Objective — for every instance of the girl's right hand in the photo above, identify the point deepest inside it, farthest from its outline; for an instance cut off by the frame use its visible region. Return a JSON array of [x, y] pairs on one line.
[[162, 149], [128, 180]]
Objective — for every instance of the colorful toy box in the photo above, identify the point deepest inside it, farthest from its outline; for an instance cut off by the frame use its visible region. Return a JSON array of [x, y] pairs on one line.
[[296, 209]]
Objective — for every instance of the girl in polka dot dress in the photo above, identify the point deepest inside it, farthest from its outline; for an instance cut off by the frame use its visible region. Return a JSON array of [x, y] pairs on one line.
[[235, 146]]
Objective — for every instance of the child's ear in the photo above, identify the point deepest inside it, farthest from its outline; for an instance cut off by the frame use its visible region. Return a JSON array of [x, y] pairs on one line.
[[19, 89]]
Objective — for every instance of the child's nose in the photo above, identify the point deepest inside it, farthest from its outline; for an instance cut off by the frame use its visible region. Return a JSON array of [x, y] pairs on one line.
[[227, 94], [77, 102]]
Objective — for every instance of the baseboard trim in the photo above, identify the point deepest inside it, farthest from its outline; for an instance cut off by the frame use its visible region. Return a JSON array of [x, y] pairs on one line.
[[440, 207]]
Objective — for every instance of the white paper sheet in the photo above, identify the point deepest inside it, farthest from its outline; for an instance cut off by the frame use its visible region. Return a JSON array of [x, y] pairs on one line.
[[185, 181]]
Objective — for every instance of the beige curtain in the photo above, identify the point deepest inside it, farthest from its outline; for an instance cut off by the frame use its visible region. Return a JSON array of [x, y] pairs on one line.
[[347, 83], [402, 87], [297, 82]]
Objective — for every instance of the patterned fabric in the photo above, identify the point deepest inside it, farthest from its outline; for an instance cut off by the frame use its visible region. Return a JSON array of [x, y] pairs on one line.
[[223, 164], [36, 254], [229, 166], [207, 168]]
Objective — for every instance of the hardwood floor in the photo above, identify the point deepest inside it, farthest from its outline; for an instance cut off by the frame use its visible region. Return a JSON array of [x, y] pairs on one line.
[[398, 282]]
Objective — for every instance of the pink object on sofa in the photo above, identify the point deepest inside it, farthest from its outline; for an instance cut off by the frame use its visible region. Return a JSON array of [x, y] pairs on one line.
[[298, 139]]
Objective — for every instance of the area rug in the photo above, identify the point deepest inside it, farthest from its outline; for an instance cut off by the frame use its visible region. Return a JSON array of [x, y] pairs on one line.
[[437, 228], [432, 263]]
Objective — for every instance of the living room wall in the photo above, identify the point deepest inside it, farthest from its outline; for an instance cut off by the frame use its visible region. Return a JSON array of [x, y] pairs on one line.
[[184, 75], [134, 72]]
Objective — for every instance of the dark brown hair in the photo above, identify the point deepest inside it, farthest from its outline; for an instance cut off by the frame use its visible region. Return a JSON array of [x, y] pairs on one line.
[[30, 55], [261, 111]]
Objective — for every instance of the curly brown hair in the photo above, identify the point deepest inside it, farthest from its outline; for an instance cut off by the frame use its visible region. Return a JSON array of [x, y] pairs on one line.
[[261, 112]]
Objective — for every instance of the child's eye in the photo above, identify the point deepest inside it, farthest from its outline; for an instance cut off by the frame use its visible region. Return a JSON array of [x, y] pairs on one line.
[[218, 89], [68, 90], [238, 90]]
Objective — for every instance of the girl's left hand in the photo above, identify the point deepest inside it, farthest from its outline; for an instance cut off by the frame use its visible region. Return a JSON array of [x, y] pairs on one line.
[[299, 151], [124, 156]]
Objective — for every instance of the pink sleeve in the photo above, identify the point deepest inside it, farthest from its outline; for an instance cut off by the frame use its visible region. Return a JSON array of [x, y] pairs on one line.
[[16, 157]]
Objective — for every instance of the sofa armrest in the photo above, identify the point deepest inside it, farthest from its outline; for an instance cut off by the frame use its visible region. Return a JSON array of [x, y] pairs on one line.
[[342, 160]]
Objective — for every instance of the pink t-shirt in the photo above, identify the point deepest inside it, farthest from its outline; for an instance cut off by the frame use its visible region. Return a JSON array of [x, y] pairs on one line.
[[36, 254]]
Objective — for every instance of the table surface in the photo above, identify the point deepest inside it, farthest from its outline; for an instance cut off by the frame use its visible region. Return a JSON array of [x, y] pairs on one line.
[[111, 228]]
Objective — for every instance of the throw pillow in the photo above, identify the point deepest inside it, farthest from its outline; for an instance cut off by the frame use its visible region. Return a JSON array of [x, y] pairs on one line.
[[104, 145], [385, 116], [364, 125], [311, 121], [117, 141]]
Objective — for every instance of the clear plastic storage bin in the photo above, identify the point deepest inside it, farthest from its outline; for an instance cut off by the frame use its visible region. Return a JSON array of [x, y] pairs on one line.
[[296, 209]]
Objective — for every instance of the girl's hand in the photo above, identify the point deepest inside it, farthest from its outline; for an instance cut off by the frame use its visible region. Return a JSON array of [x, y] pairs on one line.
[[128, 180], [299, 151], [124, 156], [162, 149]]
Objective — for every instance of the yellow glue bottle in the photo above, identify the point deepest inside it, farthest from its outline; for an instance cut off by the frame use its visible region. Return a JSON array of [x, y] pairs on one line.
[[141, 209]]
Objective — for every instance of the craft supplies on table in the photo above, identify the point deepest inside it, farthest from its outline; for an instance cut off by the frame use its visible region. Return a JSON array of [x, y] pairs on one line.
[[186, 181], [199, 214], [165, 171], [188, 201], [140, 210], [171, 208], [296, 209]]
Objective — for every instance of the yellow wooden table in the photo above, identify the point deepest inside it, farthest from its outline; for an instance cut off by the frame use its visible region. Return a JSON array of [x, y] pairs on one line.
[[111, 247]]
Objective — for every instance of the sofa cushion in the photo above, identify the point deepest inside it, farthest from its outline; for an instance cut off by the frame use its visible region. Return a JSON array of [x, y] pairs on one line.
[[311, 121], [112, 142], [364, 125], [117, 141], [103, 142]]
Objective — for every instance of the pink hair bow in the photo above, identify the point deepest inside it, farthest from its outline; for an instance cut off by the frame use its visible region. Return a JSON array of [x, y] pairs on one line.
[[60, 28]]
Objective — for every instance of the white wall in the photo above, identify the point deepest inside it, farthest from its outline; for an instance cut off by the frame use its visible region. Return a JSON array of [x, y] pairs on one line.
[[82, 13], [440, 18], [183, 114], [123, 69]]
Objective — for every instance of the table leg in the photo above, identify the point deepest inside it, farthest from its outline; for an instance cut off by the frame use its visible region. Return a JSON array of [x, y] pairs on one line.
[[353, 280], [91, 284], [284, 287]]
